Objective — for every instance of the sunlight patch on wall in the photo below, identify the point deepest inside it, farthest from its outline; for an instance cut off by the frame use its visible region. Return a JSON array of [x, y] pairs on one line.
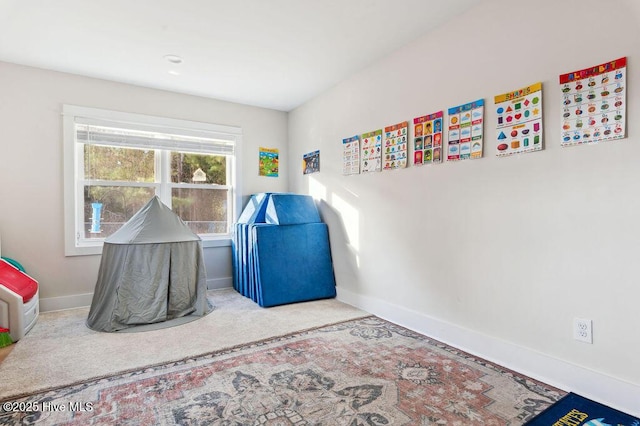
[[317, 190], [350, 218]]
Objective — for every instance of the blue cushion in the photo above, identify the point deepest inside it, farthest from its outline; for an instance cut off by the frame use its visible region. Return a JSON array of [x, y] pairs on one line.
[[291, 209], [254, 211], [281, 251], [291, 264], [240, 252]]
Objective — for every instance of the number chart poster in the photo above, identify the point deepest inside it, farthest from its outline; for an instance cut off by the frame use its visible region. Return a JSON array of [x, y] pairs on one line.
[[594, 103], [268, 161], [395, 146], [465, 131], [519, 122], [371, 151], [311, 162], [351, 156], [427, 139]]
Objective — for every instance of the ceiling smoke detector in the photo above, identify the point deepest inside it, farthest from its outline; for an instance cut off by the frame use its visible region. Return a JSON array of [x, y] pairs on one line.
[[174, 59]]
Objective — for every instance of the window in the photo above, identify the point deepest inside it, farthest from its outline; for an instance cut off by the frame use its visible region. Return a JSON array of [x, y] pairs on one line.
[[115, 162]]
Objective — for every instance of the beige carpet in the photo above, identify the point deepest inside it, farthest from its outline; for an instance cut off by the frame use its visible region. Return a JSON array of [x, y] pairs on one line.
[[61, 350], [361, 372]]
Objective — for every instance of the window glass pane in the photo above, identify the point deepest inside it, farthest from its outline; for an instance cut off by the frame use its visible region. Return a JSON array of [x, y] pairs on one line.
[[124, 159], [115, 206], [198, 168], [118, 164], [204, 210]]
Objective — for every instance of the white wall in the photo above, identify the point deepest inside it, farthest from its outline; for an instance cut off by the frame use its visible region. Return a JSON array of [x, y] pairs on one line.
[[496, 255], [31, 168]]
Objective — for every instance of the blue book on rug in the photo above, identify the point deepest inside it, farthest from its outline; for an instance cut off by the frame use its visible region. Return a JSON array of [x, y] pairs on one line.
[[576, 410]]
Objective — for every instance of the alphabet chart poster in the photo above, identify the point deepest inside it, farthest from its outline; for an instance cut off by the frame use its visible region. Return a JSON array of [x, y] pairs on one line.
[[465, 131], [371, 151], [594, 103], [427, 139], [351, 155], [395, 146], [519, 126]]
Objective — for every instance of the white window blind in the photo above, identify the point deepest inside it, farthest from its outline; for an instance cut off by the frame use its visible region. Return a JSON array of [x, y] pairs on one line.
[[117, 134]]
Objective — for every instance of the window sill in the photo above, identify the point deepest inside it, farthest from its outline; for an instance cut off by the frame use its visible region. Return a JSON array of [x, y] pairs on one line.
[[93, 250], [217, 242]]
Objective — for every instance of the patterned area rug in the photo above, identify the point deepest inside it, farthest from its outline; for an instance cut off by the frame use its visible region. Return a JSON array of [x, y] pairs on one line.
[[359, 372]]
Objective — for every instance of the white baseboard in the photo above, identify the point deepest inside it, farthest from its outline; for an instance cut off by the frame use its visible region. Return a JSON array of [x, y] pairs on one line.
[[218, 283], [81, 300], [65, 302], [605, 389]]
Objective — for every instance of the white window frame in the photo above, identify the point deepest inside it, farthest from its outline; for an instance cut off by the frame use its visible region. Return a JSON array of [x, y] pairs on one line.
[[73, 193]]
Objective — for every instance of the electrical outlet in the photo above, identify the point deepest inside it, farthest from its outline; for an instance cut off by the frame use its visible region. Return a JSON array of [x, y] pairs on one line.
[[582, 330]]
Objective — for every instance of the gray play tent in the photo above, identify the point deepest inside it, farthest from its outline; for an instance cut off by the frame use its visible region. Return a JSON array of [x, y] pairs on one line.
[[152, 270]]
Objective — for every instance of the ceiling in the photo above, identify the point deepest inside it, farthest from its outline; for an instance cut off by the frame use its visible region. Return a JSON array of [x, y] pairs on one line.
[[270, 53]]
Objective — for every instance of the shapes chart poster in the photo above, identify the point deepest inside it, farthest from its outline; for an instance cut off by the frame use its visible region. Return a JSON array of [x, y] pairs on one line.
[[519, 121]]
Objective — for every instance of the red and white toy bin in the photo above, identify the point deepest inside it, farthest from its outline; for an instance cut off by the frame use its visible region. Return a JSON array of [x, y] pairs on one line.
[[19, 306]]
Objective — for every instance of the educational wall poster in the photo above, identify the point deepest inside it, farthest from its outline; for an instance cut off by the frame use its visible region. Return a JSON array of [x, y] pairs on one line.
[[594, 103], [268, 160], [519, 121], [351, 156], [311, 162], [395, 146], [465, 131], [427, 139], [371, 151]]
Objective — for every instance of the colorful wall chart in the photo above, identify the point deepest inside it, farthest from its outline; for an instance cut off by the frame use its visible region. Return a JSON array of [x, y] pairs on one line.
[[594, 103], [395, 146], [465, 131], [351, 155], [427, 139], [519, 122], [311, 162], [268, 162], [371, 151]]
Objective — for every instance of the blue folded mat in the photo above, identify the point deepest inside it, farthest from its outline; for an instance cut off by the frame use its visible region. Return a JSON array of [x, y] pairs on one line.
[[281, 251], [291, 209], [292, 263], [254, 212]]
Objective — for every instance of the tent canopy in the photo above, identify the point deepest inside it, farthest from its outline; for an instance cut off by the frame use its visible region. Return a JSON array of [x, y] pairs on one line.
[[153, 223], [151, 271]]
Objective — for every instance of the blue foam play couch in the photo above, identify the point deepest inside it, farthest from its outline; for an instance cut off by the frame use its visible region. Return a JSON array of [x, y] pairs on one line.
[[281, 251]]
